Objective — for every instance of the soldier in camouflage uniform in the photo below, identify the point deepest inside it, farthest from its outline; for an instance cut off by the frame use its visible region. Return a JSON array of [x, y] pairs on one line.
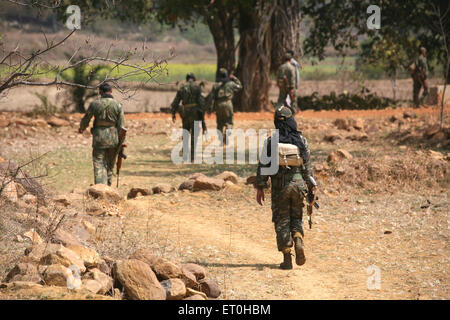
[[192, 108], [420, 75], [108, 121], [290, 186], [286, 81], [220, 100]]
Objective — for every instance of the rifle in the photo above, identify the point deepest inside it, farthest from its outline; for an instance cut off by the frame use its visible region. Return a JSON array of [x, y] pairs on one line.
[[313, 202], [120, 154]]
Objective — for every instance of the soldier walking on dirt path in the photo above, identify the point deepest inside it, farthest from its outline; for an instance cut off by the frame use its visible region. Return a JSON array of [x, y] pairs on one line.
[[290, 185], [108, 122], [220, 100], [297, 68], [286, 82], [419, 73], [191, 110]]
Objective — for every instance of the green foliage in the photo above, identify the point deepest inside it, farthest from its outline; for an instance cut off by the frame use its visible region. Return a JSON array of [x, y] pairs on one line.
[[365, 100], [82, 74], [46, 108]]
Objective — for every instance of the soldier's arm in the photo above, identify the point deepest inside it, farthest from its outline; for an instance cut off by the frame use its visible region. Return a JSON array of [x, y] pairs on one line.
[[261, 180], [307, 170], [209, 101], [175, 103], [87, 118], [238, 84], [121, 121]]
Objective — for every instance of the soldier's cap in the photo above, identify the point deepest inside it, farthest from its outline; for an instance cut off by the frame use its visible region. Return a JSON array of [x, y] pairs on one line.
[[190, 75], [287, 56], [105, 87], [282, 112]]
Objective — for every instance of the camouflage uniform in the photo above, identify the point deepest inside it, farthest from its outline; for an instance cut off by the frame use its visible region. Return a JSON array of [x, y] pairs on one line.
[[289, 187], [192, 109], [420, 76], [286, 81], [108, 119], [220, 100]]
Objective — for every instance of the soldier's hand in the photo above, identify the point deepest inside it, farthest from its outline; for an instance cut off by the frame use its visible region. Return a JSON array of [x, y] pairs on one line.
[[174, 118], [232, 76], [80, 131], [310, 196], [260, 196]]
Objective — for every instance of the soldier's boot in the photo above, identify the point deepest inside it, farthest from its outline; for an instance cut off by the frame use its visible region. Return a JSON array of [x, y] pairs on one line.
[[287, 259], [300, 258]]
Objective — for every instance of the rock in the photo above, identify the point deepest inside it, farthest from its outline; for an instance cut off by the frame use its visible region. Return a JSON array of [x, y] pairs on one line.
[[341, 124], [395, 117], [198, 271], [146, 256], [106, 282], [10, 192], [40, 123], [373, 128], [22, 122], [332, 137], [340, 171], [196, 175], [30, 199], [64, 237], [64, 257], [134, 192], [33, 236], [435, 155], [432, 130], [251, 180], [175, 289], [190, 292], [102, 191], [21, 285], [62, 199], [358, 137], [439, 136], [164, 269], [162, 188], [90, 228], [138, 280], [36, 252], [189, 278], [90, 257], [358, 124], [210, 288], [409, 114], [187, 185], [24, 272], [339, 155], [318, 167], [56, 275], [57, 122], [206, 183], [4, 123], [20, 190], [195, 297], [228, 176], [91, 285]]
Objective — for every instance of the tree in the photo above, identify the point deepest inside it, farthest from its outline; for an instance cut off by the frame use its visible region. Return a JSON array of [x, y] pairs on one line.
[[266, 28], [343, 23]]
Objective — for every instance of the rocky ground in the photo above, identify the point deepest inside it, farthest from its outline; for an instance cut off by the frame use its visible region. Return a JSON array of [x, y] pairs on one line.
[[196, 232]]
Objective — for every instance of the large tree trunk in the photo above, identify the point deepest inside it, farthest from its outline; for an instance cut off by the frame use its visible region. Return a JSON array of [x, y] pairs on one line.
[[254, 57], [220, 24], [285, 28]]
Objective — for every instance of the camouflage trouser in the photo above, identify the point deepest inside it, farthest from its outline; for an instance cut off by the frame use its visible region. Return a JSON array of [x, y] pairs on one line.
[[224, 114], [282, 96], [417, 85], [189, 116], [104, 161], [287, 213]]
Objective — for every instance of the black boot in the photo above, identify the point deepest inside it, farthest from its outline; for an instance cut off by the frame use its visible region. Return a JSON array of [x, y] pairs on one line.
[[299, 250], [287, 261]]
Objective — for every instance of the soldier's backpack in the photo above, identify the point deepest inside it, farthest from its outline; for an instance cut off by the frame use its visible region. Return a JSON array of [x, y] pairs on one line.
[[222, 93], [289, 155]]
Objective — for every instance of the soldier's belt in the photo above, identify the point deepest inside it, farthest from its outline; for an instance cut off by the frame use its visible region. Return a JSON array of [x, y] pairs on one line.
[[103, 123]]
